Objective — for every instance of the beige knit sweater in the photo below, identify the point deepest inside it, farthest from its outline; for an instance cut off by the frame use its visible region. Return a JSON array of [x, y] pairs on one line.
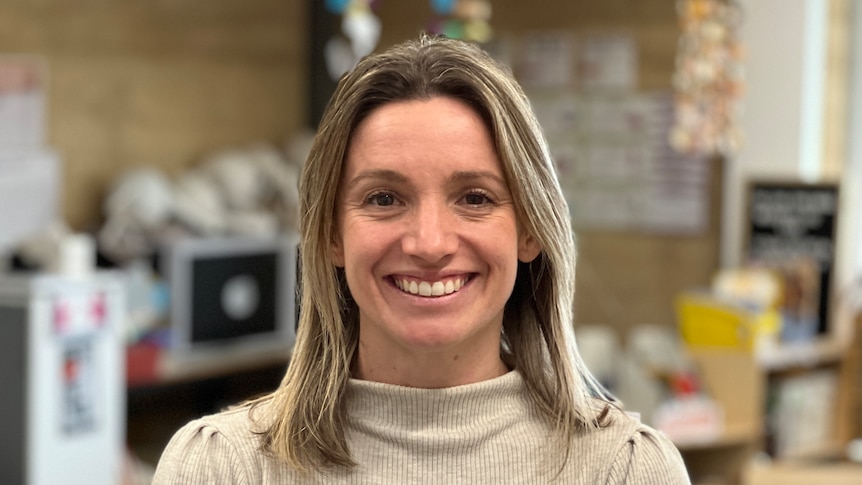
[[483, 433]]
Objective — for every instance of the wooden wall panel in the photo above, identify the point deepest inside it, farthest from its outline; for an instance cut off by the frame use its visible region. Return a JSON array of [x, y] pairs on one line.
[[159, 82]]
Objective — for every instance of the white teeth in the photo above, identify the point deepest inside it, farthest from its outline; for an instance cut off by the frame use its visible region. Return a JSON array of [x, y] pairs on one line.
[[427, 288]]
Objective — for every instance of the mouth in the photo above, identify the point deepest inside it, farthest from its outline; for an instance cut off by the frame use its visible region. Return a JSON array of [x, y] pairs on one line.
[[431, 289]]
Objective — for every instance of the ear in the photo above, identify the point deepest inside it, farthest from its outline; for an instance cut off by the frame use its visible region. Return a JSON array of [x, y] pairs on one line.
[[528, 247]]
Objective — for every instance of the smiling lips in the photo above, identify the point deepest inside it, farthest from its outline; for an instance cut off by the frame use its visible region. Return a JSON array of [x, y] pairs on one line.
[[431, 288]]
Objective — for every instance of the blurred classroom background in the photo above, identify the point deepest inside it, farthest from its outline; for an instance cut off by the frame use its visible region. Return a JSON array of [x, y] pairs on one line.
[[149, 153]]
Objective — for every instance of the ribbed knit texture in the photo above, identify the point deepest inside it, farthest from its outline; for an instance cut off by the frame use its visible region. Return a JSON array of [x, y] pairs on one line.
[[488, 432]]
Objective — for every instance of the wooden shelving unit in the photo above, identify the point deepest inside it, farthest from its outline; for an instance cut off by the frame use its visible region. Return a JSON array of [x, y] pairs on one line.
[[803, 474], [740, 381], [735, 382]]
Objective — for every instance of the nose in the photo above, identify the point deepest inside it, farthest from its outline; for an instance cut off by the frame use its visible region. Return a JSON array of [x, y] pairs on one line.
[[431, 235]]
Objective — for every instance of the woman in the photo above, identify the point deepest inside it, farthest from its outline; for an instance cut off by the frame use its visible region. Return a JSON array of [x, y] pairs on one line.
[[435, 342]]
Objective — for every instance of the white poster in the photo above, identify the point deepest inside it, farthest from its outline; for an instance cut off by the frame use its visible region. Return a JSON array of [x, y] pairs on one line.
[[608, 62], [547, 60], [22, 102]]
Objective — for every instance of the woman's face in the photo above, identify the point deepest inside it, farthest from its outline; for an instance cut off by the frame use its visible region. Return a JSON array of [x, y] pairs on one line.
[[428, 236]]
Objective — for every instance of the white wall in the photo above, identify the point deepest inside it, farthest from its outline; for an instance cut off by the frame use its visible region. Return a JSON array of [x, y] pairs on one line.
[[850, 221], [782, 122]]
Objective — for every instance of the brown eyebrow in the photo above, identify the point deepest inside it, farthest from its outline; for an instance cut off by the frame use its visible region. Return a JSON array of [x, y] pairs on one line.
[[467, 176], [378, 174]]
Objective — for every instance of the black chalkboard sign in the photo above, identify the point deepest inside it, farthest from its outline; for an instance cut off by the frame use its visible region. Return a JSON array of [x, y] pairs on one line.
[[793, 221]]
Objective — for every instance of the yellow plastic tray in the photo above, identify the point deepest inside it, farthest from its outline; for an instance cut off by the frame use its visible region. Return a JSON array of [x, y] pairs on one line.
[[706, 321]]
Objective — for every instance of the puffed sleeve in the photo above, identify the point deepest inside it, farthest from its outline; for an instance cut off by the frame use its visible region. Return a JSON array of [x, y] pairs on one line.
[[648, 458], [199, 454]]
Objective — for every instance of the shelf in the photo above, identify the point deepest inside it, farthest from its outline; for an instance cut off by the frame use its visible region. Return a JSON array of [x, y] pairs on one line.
[[830, 451], [836, 473], [788, 356], [175, 368], [732, 436]]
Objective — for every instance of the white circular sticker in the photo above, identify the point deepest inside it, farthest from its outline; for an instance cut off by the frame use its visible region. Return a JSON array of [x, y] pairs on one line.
[[240, 297]]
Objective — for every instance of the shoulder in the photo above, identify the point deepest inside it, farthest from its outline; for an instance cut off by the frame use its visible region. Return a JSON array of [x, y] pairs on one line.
[[221, 448], [640, 454]]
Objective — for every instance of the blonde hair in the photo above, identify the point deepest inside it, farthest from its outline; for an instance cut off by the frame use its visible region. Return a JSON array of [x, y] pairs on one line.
[[538, 334]]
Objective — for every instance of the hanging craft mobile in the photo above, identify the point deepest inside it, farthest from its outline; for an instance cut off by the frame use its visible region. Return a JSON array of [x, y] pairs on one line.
[[708, 80], [462, 19], [361, 29], [457, 19]]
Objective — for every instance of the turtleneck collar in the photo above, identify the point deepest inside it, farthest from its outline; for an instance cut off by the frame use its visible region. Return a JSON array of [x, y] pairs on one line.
[[472, 405]]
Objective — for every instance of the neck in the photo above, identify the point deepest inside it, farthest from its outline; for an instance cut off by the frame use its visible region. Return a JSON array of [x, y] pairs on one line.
[[429, 370]]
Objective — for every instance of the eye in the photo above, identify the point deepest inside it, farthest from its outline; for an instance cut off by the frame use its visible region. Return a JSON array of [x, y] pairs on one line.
[[477, 198], [382, 199]]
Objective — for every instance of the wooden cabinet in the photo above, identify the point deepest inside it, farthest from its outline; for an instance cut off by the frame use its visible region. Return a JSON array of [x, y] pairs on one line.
[[803, 474], [748, 387], [734, 380]]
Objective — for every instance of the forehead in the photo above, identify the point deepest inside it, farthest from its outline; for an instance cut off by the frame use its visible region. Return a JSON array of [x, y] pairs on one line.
[[423, 135]]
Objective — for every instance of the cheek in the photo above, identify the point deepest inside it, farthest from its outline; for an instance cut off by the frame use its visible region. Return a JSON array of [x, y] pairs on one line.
[[362, 244], [500, 244]]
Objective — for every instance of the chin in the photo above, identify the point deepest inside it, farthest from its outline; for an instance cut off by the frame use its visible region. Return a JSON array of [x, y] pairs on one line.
[[431, 341]]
